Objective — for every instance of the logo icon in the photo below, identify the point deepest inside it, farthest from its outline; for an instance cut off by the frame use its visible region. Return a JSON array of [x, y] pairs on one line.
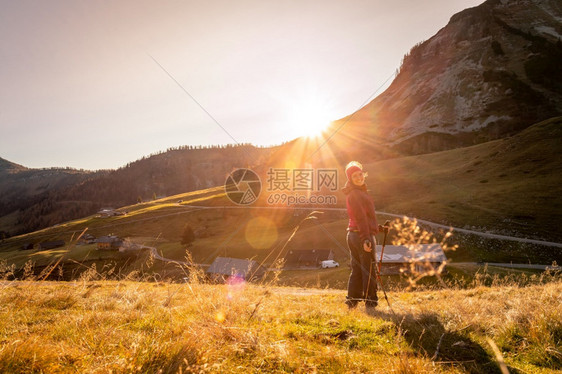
[[242, 186]]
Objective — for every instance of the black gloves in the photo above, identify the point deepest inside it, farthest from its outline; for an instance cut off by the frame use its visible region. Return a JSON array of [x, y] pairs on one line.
[[385, 228]]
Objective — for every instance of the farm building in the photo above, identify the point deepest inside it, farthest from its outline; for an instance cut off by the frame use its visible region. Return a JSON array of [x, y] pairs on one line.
[[109, 242], [87, 239], [398, 257], [50, 245], [224, 267], [307, 257], [110, 212]]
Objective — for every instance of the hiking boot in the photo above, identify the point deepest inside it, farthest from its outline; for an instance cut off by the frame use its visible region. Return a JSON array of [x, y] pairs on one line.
[[371, 304], [351, 304]]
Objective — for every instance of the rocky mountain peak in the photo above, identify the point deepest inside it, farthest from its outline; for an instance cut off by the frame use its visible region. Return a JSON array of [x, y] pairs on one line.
[[490, 72]]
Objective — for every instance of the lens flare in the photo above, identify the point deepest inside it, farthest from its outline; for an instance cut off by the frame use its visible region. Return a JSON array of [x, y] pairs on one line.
[[261, 233], [220, 317], [235, 285]]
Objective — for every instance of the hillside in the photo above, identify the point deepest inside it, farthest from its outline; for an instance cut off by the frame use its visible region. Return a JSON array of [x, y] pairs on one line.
[[26, 193], [32, 199], [157, 327], [509, 186], [9, 167], [492, 71]]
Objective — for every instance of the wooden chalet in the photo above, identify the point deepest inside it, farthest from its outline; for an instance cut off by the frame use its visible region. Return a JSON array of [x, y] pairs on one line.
[[306, 258], [110, 212], [109, 243], [87, 239], [224, 267], [398, 257]]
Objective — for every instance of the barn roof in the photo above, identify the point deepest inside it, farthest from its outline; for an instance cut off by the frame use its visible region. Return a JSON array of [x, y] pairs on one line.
[[419, 252], [235, 266], [107, 239]]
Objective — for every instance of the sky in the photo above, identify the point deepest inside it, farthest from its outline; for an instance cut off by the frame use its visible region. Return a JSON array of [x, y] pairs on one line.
[[97, 84]]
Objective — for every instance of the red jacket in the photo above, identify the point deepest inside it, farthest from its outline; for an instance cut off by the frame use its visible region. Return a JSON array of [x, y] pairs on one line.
[[361, 211]]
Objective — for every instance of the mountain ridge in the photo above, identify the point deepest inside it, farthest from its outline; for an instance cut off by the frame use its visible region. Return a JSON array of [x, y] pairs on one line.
[[489, 73], [7, 166], [44, 197]]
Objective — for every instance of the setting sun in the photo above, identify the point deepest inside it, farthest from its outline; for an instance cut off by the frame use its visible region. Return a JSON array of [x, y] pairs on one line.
[[310, 115]]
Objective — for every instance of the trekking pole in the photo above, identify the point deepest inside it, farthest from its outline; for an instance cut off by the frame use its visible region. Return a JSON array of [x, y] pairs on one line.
[[385, 229], [379, 279], [373, 260]]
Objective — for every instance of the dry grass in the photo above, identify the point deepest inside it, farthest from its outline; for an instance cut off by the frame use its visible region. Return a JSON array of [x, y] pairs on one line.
[[98, 325], [130, 326]]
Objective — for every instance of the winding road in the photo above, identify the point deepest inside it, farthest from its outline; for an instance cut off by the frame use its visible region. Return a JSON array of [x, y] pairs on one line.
[[510, 265], [484, 234], [429, 223]]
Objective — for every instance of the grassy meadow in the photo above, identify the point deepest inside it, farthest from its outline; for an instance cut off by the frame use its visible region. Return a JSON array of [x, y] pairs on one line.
[[128, 326]]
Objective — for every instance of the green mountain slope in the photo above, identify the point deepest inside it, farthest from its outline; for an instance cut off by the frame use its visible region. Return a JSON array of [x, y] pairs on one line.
[[511, 186]]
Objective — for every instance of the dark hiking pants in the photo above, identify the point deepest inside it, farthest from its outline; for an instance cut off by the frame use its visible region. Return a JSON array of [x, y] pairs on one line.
[[359, 287]]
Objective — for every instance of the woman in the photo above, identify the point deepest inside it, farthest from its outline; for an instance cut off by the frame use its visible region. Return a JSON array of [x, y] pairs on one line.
[[361, 242]]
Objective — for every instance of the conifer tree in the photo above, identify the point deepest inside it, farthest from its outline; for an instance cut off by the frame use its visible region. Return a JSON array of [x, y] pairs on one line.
[[188, 236]]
